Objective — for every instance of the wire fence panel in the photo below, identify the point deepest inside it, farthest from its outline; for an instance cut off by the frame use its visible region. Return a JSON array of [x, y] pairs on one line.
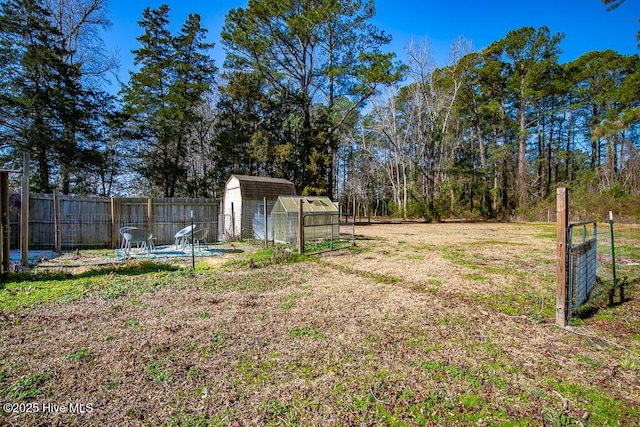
[[627, 250], [582, 263], [590, 260]]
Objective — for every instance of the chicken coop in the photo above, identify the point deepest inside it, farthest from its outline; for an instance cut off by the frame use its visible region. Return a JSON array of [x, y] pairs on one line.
[[321, 219]]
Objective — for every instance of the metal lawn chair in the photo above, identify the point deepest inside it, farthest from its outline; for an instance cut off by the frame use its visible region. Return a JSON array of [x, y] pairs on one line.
[[182, 237], [143, 239]]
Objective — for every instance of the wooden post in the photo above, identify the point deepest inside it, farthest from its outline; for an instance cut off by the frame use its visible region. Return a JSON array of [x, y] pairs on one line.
[[115, 220], [24, 211], [150, 214], [266, 228], [57, 228], [562, 223], [301, 227], [4, 220]]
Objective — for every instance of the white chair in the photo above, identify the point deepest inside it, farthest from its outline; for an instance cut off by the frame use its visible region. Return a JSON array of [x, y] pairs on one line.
[[141, 237], [181, 239], [200, 236], [127, 236]]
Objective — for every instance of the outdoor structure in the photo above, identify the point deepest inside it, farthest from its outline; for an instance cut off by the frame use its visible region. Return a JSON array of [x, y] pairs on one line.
[[245, 201], [321, 219]]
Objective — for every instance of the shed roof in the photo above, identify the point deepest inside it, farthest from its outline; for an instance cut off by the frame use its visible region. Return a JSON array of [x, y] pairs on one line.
[[258, 187], [311, 204]]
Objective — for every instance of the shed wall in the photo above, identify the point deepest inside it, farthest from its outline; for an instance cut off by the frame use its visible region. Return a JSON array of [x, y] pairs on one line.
[[233, 206]]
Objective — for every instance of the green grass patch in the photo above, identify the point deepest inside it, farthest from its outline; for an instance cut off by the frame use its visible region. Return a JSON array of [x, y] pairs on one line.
[[133, 324], [254, 371], [218, 341], [188, 419], [26, 387], [277, 412], [326, 245], [458, 257], [602, 406], [470, 400], [306, 332], [265, 257], [383, 278], [83, 353], [288, 302], [158, 372], [25, 290]]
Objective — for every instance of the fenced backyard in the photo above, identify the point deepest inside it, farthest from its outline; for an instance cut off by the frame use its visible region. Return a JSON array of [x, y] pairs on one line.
[[72, 222], [419, 324]]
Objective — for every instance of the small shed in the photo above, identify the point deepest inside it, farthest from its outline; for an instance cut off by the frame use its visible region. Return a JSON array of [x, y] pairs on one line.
[[322, 219], [244, 207]]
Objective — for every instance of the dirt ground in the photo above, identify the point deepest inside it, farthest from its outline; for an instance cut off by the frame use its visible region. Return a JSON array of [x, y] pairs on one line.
[[419, 324]]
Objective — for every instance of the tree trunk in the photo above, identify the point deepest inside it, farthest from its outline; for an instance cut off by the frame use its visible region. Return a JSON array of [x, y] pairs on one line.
[[522, 150]]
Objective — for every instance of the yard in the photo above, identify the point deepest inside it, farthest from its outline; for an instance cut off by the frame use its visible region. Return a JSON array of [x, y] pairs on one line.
[[419, 324]]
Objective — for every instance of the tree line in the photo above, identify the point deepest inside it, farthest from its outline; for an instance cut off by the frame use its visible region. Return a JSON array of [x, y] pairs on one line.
[[308, 93]]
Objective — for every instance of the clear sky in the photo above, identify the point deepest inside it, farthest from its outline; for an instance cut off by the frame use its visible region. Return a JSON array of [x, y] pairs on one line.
[[586, 23]]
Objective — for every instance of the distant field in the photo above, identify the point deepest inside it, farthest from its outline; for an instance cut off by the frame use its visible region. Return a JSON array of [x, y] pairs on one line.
[[419, 324]]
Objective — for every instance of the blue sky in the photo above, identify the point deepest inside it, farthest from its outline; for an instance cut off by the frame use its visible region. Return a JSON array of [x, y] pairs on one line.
[[586, 23]]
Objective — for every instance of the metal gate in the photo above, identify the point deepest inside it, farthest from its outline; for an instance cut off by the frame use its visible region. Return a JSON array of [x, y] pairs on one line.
[[581, 260]]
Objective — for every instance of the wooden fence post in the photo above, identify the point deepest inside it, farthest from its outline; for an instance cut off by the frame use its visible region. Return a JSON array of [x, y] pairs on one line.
[[150, 213], [114, 222], [561, 266], [266, 228], [301, 227], [24, 211], [57, 217]]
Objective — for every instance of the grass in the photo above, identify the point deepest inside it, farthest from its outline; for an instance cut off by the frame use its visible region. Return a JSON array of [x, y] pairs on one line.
[[158, 372], [326, 245], [306, 332], [265, 257], [79, 354], [26, 290], [26, 387], [452, 327]]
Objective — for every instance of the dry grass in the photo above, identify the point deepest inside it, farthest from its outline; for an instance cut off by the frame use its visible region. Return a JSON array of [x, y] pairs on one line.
[[420, 324]]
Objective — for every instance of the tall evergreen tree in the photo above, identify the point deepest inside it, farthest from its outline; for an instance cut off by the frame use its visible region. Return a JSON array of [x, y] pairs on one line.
[[528, 53], [47, 106], [33, 85], [324, 57], [163, 96]]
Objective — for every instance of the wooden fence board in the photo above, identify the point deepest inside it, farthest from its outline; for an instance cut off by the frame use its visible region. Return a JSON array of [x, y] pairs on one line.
[[93, 222]]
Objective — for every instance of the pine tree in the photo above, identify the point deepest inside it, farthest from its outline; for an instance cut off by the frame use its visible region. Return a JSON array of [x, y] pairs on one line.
[[32, 85], [47, 106], [162, 98], [321, 56]]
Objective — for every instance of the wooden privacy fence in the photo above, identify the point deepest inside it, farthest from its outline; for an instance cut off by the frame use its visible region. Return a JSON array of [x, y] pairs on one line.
[[63, 222]]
